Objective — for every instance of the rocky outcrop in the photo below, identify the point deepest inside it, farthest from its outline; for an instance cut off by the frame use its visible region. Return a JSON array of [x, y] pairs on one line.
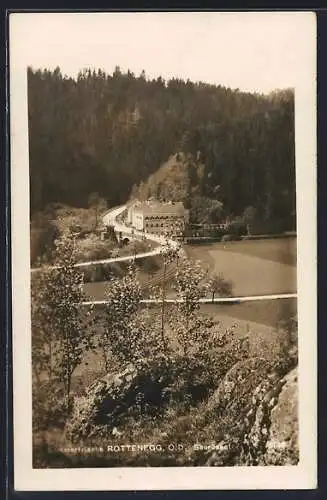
[[252, 415], [258, 409], [282, 445], [235, 390], [106, 399], [113, 399]]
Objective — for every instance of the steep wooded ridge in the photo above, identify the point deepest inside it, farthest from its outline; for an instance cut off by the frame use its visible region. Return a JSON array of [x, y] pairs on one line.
[[107, 133]]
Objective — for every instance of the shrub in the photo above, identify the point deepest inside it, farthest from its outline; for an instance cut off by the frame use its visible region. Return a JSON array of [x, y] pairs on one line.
[[43, 239], [148, 265], [237, 229], [220, 286], [92, 248], [101, 272]]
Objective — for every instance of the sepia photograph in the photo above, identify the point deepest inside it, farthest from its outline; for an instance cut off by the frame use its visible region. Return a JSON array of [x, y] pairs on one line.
[[160, 200]]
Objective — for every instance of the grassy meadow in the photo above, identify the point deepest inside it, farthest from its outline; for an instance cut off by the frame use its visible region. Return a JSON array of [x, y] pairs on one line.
[[256, 267]]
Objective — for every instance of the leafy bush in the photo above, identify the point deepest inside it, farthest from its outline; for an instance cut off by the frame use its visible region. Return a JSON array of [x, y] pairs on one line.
[[48, 405], [236, 230], [218, 285], [205, 210], [43, 236], [92, 248], [101, 272], [148, 265]]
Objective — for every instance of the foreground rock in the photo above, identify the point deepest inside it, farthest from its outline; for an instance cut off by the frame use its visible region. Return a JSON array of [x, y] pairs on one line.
[[251, 417], [282, 444], [116, 397], [257, 409], [104, 402]]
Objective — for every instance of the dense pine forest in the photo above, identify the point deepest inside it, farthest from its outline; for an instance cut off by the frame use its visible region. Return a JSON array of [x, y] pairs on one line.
[[109, 133]]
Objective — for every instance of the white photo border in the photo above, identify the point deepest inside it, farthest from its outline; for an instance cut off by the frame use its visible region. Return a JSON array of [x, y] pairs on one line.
[[302, 476]]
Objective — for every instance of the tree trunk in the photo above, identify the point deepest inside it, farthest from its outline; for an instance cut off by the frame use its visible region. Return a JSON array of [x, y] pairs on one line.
[[106, 362], [69, 378], [50, 358], [163, 305], [96, 217]]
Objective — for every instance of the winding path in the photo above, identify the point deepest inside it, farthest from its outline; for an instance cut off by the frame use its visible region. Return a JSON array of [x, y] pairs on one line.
[[110, 218]]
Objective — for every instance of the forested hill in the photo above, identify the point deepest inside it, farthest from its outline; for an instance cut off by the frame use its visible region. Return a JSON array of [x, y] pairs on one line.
[[107, 133]]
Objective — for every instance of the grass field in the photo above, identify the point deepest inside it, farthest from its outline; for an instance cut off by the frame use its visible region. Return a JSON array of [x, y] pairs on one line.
[[264, 312], [256, 267], [282, 250], [260, 320]]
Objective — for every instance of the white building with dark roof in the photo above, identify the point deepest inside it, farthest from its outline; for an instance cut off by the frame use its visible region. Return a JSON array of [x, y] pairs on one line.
[[155, 217]]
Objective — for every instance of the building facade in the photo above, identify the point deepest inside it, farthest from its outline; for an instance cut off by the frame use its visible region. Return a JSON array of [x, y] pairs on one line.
[[158, 218]]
